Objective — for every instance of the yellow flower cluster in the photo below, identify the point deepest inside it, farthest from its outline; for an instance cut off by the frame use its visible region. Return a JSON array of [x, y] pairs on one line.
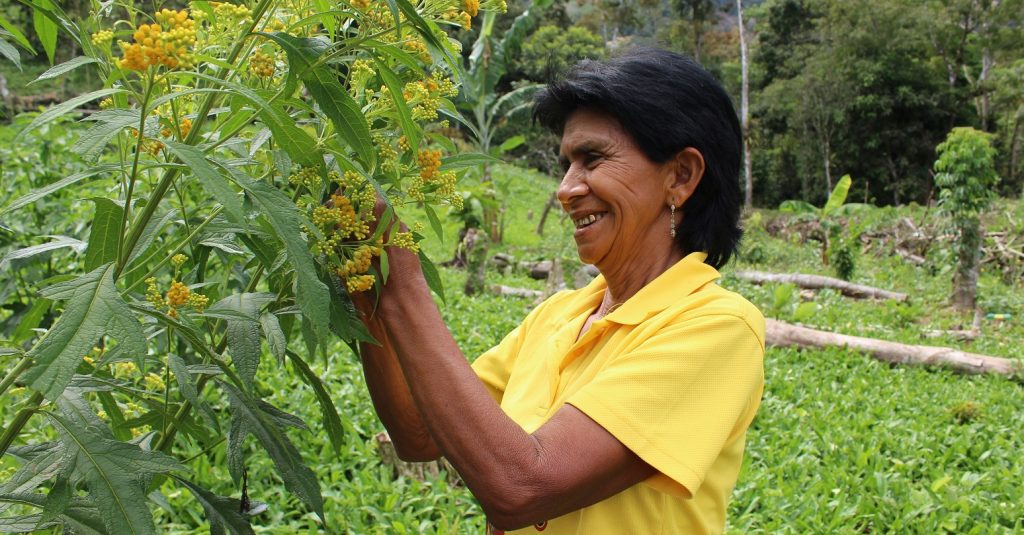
[[361, 5], [418, 48], [306, 176], [430, 163], [425, 95], [359, 283], [262, 65], [358, 190], [106, 103], [124, 369], [339, 222], [471, 6], [154, 381], [185, 125], [386, 153], [102, 38], [179, 295], [237, 13], [405, 240], [359, 76], [360, 261], [179, 259], [166, 43]]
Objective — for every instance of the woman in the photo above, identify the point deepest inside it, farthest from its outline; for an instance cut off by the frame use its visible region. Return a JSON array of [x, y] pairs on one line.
[[620, 407]]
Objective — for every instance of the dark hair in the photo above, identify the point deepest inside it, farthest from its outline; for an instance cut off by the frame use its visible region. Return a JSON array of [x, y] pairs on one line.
[[667, 103]]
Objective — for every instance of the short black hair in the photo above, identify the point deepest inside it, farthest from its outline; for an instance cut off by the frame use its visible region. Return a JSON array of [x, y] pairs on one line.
[[666, 102]]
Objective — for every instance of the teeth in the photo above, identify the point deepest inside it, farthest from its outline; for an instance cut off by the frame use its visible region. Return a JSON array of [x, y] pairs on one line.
[[584, 221]]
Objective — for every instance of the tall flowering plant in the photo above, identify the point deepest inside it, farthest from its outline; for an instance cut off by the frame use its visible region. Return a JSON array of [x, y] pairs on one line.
[[243, 147]]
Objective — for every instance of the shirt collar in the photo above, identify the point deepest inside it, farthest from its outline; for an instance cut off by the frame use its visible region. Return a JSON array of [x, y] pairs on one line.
[[682, 279]]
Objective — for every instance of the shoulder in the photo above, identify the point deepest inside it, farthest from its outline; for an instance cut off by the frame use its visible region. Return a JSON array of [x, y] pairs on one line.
[[712, 303]]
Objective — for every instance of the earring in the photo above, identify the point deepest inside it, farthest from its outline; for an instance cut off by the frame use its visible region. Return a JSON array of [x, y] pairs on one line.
[[672, 220]]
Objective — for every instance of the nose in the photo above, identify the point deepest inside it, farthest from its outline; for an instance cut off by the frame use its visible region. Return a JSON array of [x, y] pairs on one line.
[[573, 185]]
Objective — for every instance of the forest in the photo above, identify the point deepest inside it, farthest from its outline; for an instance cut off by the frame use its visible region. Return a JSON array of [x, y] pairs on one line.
[[178, 342]]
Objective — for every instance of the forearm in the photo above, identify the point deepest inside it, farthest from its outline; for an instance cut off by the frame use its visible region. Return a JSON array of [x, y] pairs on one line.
[[493, 454], [390, 393]]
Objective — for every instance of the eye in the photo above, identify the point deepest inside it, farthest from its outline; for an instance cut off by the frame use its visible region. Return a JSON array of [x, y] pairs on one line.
[[563, 164], [591, 159]]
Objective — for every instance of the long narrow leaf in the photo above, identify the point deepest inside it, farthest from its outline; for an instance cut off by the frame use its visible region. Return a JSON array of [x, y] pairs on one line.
[[105, 233], [55, 112], [223, 513], [64, 68]]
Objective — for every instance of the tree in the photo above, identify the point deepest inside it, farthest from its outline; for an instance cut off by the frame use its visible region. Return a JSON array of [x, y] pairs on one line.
[[748, 173], [551, 50], [966, 176]]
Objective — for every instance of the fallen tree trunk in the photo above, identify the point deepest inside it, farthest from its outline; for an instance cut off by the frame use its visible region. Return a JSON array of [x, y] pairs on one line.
[[817, 282], [780, 334], [511, 291]]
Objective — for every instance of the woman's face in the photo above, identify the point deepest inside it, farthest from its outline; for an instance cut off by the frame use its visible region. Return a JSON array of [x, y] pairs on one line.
[[616, 197]]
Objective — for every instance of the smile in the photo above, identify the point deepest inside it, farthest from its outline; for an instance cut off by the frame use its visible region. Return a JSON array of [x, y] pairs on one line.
[[588, 220]]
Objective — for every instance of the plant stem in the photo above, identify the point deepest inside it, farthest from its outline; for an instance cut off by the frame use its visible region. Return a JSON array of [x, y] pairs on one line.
[[20, 420], [134, 175], [9, 379]]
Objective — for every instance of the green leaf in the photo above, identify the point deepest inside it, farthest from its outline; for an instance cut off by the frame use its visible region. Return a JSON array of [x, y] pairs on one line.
[[276, 339], [310, 292], [435, 222], [109, 123], [297, 477], [469, 159], [8, 51], [30, 320], [105, 233], [58, 185], [55, 112], [46, 32], [323, 85], [64, 68], [188, 390], [432, 276], [394, 85], [94, 309], [223, 513], [805, 311], [331, 420], [152, 230], [16, 34], [57, 500], [838, 195], [212, 181], [115, 473], [511, 143], [60, 242]]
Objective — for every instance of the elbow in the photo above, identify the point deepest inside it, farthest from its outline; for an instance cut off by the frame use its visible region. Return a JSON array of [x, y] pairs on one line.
[[516, 504], [408, 449]]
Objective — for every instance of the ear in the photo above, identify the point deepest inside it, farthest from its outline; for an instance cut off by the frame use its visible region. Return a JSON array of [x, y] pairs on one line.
[[685, 173]]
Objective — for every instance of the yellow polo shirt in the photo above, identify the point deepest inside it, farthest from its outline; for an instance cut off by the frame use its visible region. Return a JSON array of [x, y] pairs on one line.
[[675, 374]]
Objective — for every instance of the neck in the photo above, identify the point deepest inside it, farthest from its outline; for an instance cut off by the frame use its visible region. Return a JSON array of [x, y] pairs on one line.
[[625, 281]]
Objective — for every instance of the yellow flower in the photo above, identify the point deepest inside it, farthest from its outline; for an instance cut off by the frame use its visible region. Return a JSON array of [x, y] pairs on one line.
[[261, 65], [154, 381], [472, 7], [102, 38], [429, 162], [405, 240], [178, 294], [178, 259], [125, 369], [360, 283], [198, 302]]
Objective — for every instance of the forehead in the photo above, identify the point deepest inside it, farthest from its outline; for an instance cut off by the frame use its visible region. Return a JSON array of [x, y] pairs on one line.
[[587, 129]]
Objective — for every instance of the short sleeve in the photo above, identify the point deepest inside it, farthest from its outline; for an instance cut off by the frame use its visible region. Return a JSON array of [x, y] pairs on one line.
[[494, 366], [683, 394]]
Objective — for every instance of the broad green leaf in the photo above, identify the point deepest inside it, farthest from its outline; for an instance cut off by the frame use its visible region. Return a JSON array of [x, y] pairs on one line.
[[105, 233], [8, 51], [60, 242], [16, 33], [79, 518], [797, 207], [57, 500], [243, 335], [276, 339], [838, 195], [65, 68], [322, 83], [39, 468], [468, 159], [109, 123], [55, 112], [58, 185], [805, 311], [511, 143], [94, 309], [332, 422], [115, 473], [281, 213], [46, 32], [187, 387], [297, 477], [23, 523], [432, 276], [212, 181], [222, 513]]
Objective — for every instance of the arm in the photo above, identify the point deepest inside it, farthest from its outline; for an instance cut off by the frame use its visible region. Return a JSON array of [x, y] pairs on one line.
[[519, 479]]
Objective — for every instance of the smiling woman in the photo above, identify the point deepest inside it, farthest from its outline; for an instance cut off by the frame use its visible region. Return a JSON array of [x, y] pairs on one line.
[[621, 407]]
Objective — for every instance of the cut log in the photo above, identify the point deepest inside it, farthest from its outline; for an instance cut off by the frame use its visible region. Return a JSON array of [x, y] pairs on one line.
[[511, 291], [817, 282], [780, 334], [419, 471]]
